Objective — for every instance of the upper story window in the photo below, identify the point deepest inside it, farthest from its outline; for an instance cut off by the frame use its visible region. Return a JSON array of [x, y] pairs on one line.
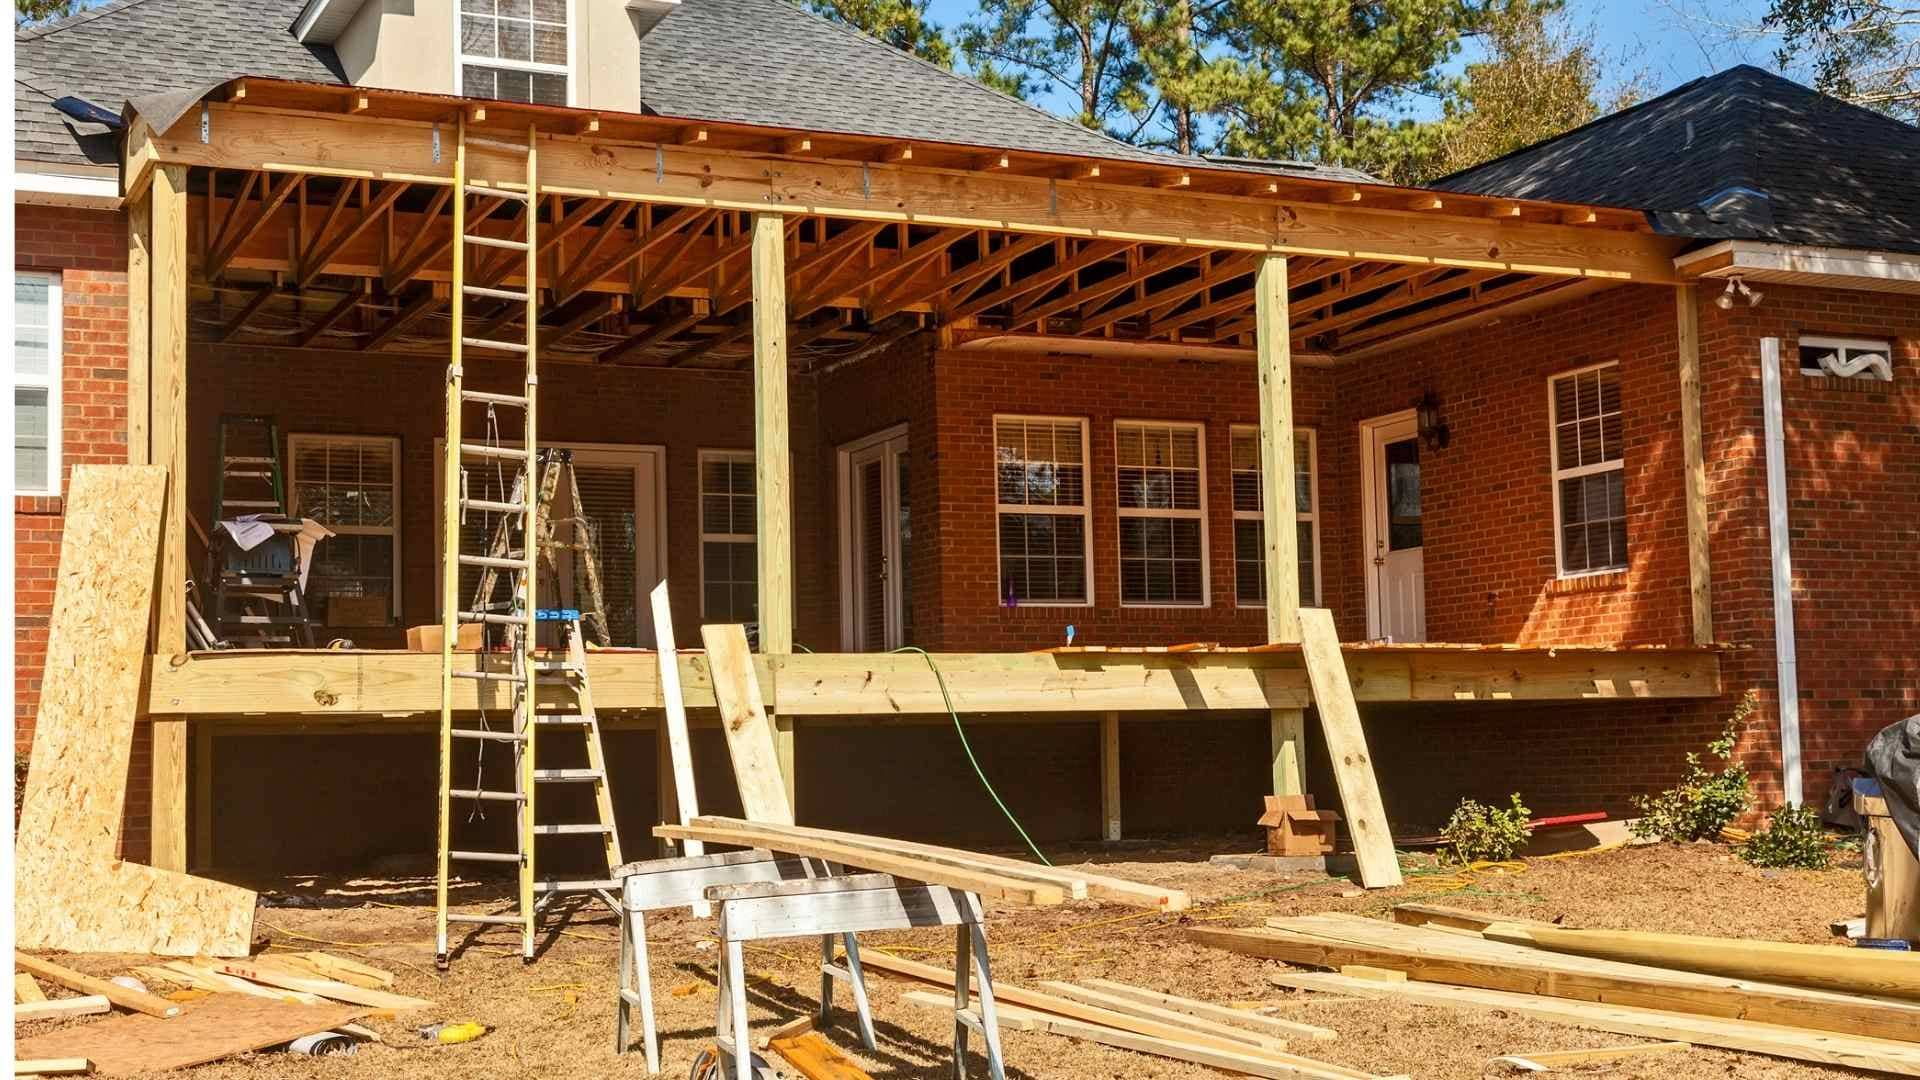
[[1847, 358], [1162, 507], [515, 50], [1589, 470], [1040, 476], [36, 383], [1249, 519]]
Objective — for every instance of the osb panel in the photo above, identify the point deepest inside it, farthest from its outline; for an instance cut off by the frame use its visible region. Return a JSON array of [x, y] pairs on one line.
[[70, 894], [221, 1026]]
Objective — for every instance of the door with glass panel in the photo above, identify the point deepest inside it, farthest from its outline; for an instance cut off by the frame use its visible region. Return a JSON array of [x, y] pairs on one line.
[[875, 529], [1394, 544]]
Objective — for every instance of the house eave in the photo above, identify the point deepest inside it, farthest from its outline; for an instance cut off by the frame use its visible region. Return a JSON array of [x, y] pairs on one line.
[[1798, 264]]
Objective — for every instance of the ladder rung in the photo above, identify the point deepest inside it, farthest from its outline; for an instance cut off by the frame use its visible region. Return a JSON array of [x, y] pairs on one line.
[[497, 736], [496, 242], [248, 474], [557, 665], [516, 196], [490, 617], [484, 450], [490, 920], [580, 829], [250, 461], [495, 796], [553, 886], [495, 507], [562, 718], [496, 562], [264, 620], [567, 776], [485, 856], [484, 398], [497, 294], [503, 346], [255, 503], [496, 144], [490, 676]]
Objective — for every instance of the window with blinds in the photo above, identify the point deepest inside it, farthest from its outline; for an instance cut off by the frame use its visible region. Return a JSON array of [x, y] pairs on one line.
[[350, 484], [36, 383], [1162, 502], [1589, 470], [1249, 521], [1040, 476], [729, 557]]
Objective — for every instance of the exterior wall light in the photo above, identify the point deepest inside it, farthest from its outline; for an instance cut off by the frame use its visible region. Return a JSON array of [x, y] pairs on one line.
[[1433, 427]]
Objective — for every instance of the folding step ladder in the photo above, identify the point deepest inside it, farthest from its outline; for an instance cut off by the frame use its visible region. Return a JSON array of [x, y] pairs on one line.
[[255, 595], [556, 462], [569, 708]]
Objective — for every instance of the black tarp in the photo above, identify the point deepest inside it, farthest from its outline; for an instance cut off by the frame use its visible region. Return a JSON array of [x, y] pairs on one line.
[[1893, 758]]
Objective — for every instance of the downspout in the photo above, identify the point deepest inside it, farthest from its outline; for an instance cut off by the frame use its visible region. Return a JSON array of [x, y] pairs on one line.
[[1788, 661]]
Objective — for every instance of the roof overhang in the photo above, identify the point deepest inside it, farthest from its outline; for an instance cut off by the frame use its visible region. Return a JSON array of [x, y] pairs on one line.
[[1792, 264], [97, 190]]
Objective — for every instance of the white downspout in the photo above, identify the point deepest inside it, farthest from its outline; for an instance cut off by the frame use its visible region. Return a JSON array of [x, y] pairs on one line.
[[1789, 667]]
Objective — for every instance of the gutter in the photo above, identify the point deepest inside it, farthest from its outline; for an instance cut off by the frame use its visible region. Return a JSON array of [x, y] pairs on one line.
[[1787, 660], [60, 189]]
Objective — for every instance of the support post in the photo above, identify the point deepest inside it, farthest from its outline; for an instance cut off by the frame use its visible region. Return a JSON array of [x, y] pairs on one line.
[[1287, 727], [202, 815], [139, 314], [1786, 654], [773, 460], [1110, 775], [167, 419], [1694, 462]]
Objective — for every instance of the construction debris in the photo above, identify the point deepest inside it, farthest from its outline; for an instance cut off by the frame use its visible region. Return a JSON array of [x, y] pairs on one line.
[[222, 1025], [1295, 828], [1545, 1062], [62, 1007], [133, 1000], [52, 1067], [815, 1058]]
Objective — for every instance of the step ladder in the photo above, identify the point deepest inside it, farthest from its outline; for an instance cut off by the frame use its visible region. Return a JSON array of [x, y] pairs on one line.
[[569, 709], [588, 594], [255, 595], [506, 660]]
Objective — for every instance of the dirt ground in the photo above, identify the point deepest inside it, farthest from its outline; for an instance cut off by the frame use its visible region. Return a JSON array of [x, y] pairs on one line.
[[555, 1017]]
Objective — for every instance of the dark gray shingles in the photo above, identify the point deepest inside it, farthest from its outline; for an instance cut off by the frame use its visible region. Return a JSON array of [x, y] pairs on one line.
[[1744, 154]]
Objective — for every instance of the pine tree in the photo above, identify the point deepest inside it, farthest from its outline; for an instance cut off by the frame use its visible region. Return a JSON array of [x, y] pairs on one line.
[[1863, 51], [29, 13], [902, 24], [1083, 50]]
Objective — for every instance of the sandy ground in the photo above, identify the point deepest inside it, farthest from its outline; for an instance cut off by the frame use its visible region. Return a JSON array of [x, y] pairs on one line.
[[555, 1017]]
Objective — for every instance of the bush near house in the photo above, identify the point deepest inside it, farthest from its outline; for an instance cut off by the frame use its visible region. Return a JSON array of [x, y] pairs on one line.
[[1705, 801], [1793, 839], [1475, 832]]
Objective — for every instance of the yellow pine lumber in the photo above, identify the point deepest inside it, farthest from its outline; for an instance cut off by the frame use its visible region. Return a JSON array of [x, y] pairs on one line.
[[815, 1058], [52, 1067], [1751, 1036], [133, 1000], [900, 865], [743, 717], [1224, 1013], [283, 978], [202, 977], [73, 1006], [1347, 747], [1117, 1003], [1828, 967], [1544, 1061], [344, 969], [1457, 918], [25, 989]]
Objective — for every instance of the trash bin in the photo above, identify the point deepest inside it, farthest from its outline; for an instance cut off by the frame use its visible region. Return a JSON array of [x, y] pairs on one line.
[[1893, 873]]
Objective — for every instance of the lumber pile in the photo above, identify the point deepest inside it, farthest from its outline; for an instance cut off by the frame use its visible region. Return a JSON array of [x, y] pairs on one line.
[[1135, 1018], [1447, 957]]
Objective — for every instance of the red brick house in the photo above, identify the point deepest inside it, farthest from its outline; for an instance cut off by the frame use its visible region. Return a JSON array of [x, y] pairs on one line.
[[1059, 438]]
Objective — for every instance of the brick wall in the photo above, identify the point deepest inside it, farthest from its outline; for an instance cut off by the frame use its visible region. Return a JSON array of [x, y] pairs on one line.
[[88, 249]]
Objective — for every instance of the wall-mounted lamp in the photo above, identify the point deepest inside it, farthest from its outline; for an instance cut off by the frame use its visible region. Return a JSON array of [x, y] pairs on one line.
[[1736, 285], [1433, 427]]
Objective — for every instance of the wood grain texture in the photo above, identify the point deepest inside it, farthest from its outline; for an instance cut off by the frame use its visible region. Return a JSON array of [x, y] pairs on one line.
[[1366, 816], [125, 997], [743, 717], [1224, 1013], [220, 1026], [1693, 463], [70, 892], [772, 445], [60, 1008]]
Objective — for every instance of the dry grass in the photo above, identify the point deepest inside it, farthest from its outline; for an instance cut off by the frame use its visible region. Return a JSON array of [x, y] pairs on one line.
[[555, 1018]]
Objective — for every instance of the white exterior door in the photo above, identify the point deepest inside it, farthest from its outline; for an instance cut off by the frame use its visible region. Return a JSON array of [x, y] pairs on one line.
[[873, 525], [1394, 545]]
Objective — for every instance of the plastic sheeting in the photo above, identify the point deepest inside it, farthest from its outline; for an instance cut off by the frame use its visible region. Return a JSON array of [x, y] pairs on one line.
[[1893, 758]]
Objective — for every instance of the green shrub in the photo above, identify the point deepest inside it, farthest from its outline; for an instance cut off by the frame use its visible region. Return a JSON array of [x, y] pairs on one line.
[[1705, 801], [1476, 832], [1794, 839]]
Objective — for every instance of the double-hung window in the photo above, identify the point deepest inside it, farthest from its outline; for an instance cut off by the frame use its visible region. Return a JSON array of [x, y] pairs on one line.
[[1161, 496], [515, 50], [729, 557], [1249, 519], [1040, 477], [36, 383], [350, 484], [1589, 470]]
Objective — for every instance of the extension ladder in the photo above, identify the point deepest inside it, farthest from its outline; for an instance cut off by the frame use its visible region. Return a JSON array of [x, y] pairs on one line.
[[256, 596]]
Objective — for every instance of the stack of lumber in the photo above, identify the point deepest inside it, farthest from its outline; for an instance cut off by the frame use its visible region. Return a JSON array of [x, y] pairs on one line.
[[992, 876], [310, 978], [1135, 1018], [1533, 969]]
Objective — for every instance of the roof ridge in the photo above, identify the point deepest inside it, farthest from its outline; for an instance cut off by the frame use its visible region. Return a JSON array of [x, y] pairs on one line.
[[972, 83], [78, 18]]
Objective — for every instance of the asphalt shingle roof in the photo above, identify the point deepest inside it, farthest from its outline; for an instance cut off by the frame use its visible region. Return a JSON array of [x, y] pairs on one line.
[[1743, 154]]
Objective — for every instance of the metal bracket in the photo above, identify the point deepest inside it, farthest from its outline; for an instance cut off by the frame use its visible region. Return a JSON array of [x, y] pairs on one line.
[[866, 182], [1053, 197], [206, 124], [659, 165], [436, 144]]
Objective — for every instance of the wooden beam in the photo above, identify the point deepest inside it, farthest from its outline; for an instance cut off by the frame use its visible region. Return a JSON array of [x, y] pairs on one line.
[[1164, 260], [331, 318], [1286, 726], [1095, 252], [390, 270], [139, 328], [1110, 775], [1480, 300], [1693, 463], [689, 219], [907, 293], [422, 302], [431, 248], [126, 997], [772, 452], [323, 251], [275, 194], [1347, 748], [672, 274], [168, 335]]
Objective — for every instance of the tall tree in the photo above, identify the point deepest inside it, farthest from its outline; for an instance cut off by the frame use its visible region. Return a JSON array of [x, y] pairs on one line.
[[902, 24], [1335, 81], [1863, 51], [1085, 51], [27, 13]]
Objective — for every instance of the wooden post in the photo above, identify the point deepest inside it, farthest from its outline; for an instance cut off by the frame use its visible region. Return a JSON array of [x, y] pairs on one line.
[[1699, 565], [202, 815], [772, 459], [167, 419], [1110, 774], [139, 297], [1287, 727]]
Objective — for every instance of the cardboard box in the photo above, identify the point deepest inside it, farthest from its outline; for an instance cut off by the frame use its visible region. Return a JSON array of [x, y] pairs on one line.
[[427, 638], [1294, 827], [359, 610]]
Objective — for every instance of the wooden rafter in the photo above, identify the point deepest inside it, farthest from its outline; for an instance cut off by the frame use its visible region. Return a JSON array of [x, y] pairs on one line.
[[436, 248], [1094, 252], [690, 218], [906, 294], [232, 219], [1225, 269], [390, 273], [331, 319], [1169, 258], [564, 225], [595, 309], [647, 290], [1480, 300], [911, 259], [252, 308], [409, 313], [324, 250], [305, 239], [271, 199]]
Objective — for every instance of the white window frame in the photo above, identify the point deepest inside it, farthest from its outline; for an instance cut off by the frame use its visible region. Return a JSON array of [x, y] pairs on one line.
[[570, 72], [1845, 346], [1574, 472], [1313, 516], [1084, 511], [700, 493], [50, 382], [1199, 514], [294, 444]]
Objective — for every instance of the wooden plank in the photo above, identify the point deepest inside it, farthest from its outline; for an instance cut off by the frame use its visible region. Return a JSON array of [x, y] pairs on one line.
[[743, 717], [1851, 1051], [202, 977], [1366, 817], [69, 1066], [220, 1026], [348, 970], [168, 833], [819, 907], [1464, 960], [1134, 1007], [1458, 918], [1827, 967], [61, 1008], [901, 865], [814, 1057], [678, 743], [268, 973], [1110, 775], [1693, 463], [125, 997], [1544, 1061], [25, 989], [71, 893], [279, 141], [139, 328], [1208, 1010], [1273, 354], [167, 416], [772, 450]]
